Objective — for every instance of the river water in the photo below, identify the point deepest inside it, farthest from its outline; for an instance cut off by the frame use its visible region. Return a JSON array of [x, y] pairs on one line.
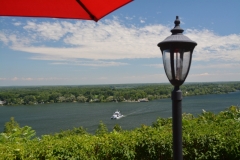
[[52, 118]]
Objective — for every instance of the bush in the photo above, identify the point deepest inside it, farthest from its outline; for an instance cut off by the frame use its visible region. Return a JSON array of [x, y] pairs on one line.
[[206, 137]]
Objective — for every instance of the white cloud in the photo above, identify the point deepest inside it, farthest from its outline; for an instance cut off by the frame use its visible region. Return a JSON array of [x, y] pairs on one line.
[[32, 79], [146, 78], [204, 74], [111, 40], [17, 23], [129, 18], [3, 38], [14, 79], [217, 76], [14, 40], [218, 65], [155, 65], [200, 74], [46, 30], [91, 63], [214, 47], [103, 78]]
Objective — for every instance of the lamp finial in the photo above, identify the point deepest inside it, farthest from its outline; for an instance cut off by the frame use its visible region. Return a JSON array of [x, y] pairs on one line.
[[177, 22], [177, 29]]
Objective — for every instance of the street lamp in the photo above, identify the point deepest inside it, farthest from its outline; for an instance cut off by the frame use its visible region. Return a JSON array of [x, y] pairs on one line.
[[177, 52]]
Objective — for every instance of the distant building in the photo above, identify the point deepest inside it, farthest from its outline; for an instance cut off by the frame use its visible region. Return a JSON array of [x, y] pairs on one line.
[[2, 102], [143, 100]]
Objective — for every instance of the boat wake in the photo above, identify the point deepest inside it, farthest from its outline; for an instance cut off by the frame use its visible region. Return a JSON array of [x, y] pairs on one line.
[[118, 115], [139, 111]]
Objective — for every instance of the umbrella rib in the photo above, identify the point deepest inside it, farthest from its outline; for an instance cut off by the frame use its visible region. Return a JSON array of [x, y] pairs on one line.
[[85, 8]]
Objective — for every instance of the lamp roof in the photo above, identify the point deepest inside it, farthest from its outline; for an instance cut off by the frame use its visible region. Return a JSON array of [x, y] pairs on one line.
[[177, 37]]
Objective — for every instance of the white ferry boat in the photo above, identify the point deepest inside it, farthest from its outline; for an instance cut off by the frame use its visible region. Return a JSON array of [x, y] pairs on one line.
[[117, 115]]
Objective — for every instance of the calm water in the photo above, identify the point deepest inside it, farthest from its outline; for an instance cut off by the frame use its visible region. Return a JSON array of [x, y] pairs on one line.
[[51, 118]]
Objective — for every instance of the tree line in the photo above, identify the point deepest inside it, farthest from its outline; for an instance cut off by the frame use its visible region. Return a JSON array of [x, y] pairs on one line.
[[106, 93]]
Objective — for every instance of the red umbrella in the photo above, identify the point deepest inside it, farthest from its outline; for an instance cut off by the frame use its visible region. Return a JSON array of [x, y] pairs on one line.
[[72, 9]]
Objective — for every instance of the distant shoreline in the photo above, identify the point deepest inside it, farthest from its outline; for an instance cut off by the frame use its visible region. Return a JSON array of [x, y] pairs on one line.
[[127, 101], [10, 96]]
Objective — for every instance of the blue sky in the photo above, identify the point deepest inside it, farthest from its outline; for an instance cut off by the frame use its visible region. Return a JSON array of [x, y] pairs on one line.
[[121, 47]]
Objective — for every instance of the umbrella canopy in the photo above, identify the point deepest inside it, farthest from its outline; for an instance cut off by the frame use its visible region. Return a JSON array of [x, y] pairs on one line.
[[71, 9]]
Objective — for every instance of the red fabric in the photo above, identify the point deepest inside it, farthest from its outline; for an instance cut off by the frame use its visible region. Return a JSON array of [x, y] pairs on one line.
[[59, 8]]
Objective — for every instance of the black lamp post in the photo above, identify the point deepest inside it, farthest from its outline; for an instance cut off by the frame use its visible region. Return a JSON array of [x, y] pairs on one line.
[[177, 52]]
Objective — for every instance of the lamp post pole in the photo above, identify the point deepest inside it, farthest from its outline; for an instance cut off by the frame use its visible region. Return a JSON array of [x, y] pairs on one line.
[[177, 123], [177, 52]]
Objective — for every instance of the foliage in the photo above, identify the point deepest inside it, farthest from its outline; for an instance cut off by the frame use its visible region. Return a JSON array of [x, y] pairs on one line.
[[117, 128], [102, 129], [74, 131], [205, 137], [106, 93], [14, 133], [10, 126]]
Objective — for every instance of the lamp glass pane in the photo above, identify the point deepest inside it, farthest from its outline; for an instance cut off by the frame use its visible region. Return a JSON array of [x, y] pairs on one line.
[[167, 63], [181, 64], [178, 64], [186, 63]]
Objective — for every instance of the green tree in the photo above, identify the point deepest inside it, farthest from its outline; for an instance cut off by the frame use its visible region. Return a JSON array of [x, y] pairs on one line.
[[14, 133], [102, 129], [54, 96], [29, 99], [74, 131], [109, 99], [81, 98], [69, 97], [44, 97], [10, 126], [117, 128]]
